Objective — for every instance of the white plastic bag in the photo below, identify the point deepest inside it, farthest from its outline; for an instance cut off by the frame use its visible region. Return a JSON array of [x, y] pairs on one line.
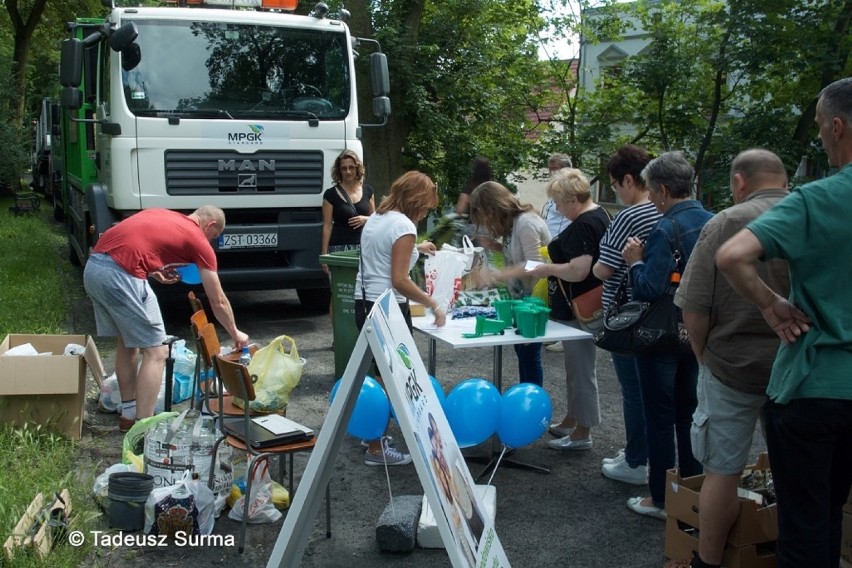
[[109, 399], [261, 507], [186, 507], [444, 272], [452, 271]]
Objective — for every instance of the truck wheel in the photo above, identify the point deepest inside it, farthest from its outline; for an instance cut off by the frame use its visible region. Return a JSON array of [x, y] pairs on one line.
[[317, 299]]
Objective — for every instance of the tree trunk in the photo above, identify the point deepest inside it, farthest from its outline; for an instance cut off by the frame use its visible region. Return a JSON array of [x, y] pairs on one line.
[[383, 146], [23, 32], [719, 80]]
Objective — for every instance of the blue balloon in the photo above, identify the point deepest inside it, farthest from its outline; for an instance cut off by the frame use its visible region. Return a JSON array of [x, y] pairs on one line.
[[525, 414], [439, 392], [473, 410], [369, 419], [189, 273]]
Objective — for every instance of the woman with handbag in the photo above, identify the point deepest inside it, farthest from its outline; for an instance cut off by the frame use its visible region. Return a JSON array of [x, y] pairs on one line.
[[388, 253], [630, 465], [667, 379], [498, 211], [570, 282], [346, 206]]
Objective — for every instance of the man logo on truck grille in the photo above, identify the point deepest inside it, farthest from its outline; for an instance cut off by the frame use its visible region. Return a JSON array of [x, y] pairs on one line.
[[247, 181]]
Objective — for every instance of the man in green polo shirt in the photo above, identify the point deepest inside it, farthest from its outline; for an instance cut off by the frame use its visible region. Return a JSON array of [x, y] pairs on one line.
[[809, 413]]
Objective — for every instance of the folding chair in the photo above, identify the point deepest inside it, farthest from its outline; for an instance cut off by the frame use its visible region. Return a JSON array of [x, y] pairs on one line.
[[235, 377], [208, 348]]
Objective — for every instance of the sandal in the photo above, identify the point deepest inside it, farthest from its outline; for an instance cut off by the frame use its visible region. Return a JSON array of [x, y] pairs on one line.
[[635, 505]]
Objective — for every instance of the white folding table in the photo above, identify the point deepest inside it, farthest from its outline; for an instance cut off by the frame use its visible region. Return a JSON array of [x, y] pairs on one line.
[[451, 334]]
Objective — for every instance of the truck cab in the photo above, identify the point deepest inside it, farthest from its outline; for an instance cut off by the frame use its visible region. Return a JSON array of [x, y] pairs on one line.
[[242, 109]]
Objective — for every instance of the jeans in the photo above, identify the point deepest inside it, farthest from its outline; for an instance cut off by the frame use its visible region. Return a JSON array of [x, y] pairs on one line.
[[635, 448], [809, 443], [529, 363], [668, 383]]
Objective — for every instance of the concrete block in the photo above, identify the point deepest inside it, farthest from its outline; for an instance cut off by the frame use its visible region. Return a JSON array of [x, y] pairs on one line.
[[428, 535], [396, 530]]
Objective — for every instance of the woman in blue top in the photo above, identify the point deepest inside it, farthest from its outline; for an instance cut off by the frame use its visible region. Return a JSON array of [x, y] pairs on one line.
[[668, 381]]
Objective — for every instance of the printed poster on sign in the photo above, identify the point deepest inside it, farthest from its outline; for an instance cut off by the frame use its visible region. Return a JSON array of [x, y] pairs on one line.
[[467, 532]]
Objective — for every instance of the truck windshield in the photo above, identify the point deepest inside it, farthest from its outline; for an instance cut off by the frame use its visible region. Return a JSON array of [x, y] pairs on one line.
[[233, 71]]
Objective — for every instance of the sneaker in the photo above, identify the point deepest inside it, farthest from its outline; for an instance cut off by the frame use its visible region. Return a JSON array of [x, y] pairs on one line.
[[555, 347], [619, 457], [388, 440], [635, 505], [392, 456], [620, 471]]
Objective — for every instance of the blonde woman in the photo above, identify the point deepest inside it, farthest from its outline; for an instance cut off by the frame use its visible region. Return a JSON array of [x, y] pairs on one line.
[[572, 254], [523, 232]]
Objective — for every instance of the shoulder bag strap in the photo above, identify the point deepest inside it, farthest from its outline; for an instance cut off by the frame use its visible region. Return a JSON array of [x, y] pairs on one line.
[[677, 255]]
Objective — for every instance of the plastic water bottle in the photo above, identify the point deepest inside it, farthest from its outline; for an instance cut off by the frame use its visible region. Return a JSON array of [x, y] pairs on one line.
[[245, 357]]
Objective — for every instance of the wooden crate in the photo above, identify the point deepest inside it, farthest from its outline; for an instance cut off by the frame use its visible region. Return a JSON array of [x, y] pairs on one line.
[[42, 540]]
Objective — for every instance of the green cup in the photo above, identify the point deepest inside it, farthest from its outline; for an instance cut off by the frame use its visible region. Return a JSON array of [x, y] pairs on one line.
[[504, 310], [532, 300], [542, 315], [526, 319]]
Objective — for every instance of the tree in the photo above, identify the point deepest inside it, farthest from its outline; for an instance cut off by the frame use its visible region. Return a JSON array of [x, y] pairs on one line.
[[24, 20], [715, 78], [463, 76]]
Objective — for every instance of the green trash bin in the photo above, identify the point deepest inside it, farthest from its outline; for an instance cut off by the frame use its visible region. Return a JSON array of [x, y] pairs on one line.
[[344, 268]]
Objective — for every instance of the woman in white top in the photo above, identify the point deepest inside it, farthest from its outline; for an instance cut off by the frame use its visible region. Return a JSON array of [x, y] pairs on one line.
[[524, 232], [388, 253]]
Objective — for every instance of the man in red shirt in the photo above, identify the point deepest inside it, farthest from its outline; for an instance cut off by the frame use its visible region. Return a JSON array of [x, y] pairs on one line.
[[150, 243]]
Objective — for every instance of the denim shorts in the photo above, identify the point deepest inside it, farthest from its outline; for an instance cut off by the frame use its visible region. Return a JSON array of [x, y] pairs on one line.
[[723, 424]]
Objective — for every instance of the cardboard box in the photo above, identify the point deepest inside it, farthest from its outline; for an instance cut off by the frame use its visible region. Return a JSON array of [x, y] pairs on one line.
[[755, 524], [682, 541], [47, 389], [846, 538]]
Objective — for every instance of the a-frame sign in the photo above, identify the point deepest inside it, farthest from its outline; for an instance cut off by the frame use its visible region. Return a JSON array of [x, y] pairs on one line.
[[468, 534]]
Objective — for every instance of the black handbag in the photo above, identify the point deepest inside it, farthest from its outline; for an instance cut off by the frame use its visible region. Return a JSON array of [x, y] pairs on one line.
[[645, 328]]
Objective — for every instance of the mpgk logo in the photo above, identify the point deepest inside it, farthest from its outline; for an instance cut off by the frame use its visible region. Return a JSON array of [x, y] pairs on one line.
[[253, 137]]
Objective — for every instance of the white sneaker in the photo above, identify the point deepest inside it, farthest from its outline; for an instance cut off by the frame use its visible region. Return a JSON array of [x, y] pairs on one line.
[[622, 472], [619, 457], [391, 456], [555, 347]]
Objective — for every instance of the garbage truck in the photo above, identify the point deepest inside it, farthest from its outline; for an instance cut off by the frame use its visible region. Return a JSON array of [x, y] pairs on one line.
[[240, 104]]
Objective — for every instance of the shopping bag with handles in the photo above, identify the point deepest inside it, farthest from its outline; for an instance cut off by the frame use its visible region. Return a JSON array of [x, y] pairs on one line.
[[276, 369]]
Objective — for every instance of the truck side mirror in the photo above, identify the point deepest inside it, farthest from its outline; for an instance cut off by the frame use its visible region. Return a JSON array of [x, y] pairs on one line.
[[381, 107], [379, 77], [71, 98], [123, 37], [131, 56], [71, 63]]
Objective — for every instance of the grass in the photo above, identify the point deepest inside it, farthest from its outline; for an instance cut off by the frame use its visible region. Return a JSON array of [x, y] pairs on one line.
[[31, 274], [34, 276]]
